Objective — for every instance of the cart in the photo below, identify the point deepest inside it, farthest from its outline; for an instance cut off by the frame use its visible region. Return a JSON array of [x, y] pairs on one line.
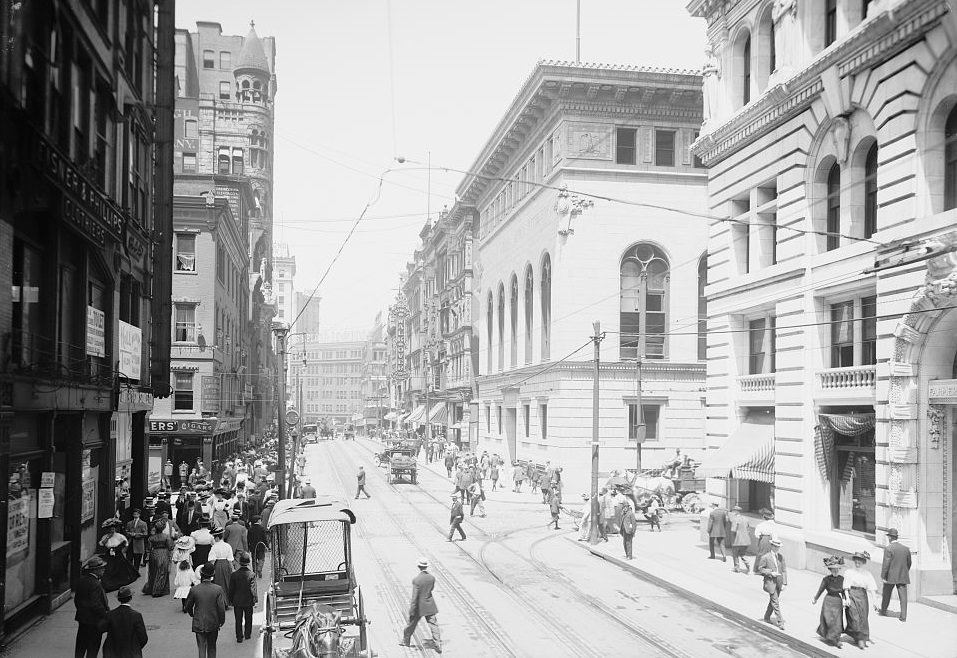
[[402, 465], [314, 598]]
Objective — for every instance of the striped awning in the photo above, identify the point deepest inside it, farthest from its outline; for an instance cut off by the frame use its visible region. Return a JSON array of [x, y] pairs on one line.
[[417, 416], [439, 414], [748, 454]]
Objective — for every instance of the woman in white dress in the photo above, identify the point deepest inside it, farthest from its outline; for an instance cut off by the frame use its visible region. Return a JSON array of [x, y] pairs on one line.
[[221, 555], [119, 571], [858, 583]]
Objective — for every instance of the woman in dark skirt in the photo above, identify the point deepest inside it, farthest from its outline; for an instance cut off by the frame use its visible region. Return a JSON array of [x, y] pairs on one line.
[[857, 583], [832, 611], [159, 546], [119, 571]]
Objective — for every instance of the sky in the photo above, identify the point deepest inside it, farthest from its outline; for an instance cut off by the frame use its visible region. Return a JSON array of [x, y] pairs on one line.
[[363, 82]]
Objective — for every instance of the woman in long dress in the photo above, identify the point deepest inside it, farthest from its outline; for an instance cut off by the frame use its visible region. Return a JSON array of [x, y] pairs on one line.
[[119, 571], [220, 510], [857, 583], [203, 541], [158, 545], [831, 625], [221, 555]]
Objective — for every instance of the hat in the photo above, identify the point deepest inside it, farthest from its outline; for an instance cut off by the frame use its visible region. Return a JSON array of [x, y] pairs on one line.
[[244, 558], [423, 563], [184, 542], [137, 510], [109, 523], [833, 561], [308, 480], [218, 532], [766, 513], [775, 542], [95, 562], [736, 508], [861, 555], [892, 532], [124, 594], [207, 570]]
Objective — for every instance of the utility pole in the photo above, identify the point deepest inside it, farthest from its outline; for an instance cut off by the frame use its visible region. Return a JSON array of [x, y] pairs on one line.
[[280, 330], [595, 511]]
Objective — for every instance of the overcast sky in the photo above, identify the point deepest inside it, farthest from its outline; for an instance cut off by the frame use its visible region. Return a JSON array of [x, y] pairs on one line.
[[455, 66]]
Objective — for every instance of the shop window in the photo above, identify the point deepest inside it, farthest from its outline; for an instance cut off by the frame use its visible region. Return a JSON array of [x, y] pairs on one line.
[[644, 277], [626, 145], [665, 148], [853, 483], [209, 59], [21, 550], [183, 391], [185, 253], [185, 328]]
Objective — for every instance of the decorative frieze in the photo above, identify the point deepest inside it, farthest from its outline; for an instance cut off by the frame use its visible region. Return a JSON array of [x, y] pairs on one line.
[[936, 414]]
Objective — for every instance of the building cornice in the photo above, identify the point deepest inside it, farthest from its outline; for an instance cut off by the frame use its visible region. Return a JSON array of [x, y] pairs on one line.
[[650, 371]]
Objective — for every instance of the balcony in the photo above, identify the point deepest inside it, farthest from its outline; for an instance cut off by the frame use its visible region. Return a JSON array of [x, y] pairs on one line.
[[756, 390], [854, 384], [195, 352]]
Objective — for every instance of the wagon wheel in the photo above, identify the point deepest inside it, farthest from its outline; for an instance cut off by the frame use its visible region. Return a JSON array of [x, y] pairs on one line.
[[690, 503], [267, 634], [361, 614]]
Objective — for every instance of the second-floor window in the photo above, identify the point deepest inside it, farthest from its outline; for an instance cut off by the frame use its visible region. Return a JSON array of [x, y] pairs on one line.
[[643, 298], [626, 145], [665, 148], [184, 330], [224, 91], [185, 253], [854, 333], [761, 346], [183, 391]]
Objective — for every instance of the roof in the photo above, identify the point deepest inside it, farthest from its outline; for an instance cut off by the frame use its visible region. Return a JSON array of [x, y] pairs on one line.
[[252, 56], [303, 510]]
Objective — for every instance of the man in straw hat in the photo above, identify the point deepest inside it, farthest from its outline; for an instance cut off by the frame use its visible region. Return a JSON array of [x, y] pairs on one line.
[[895, 572], [771, 565], [91, 608], [206, 604], [423, 605], [125, 630]]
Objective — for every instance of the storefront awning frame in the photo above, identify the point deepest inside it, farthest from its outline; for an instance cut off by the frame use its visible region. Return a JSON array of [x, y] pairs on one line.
[[748, 454]]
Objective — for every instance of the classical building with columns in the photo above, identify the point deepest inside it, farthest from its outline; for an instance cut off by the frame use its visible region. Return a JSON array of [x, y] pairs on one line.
[[830, 142], [590, 207]]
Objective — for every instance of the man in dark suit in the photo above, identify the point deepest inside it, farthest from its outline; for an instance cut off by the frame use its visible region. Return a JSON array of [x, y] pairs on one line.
[[258, 542], [91, 608], [771, 565], [125, 630], [717, 530], [242, 596], [895, 572], [186, 516], [206, 604], [628, 525], [162, 505], [423, 605], [456, 515]]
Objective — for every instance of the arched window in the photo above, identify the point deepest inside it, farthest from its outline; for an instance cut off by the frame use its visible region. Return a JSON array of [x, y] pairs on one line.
[[746, 71], [490, 324], [834, 207], [546, 306], [529, 311], [702, 309], [513, 321], [645, 281], [501, 327], [870, 192], [950, 161]]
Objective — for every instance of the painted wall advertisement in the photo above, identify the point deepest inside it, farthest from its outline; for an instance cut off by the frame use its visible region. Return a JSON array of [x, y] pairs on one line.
[[95, 332], [131, 350]]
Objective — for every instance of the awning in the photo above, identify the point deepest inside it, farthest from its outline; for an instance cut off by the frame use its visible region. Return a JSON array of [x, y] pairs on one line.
[[844, 424], [417, 415], [439, 414], [392, 415], [748, 454]]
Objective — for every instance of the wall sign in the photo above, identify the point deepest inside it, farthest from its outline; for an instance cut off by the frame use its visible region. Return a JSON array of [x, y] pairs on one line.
[[95, 332], [942, 388], [18, 525], [131, 350]]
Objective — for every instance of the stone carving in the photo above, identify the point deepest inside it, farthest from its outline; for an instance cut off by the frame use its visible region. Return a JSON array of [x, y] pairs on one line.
[[568, 207], [711, 73], [841, 135], [895, 480], [940, 287], [936, 428], [787, 38]]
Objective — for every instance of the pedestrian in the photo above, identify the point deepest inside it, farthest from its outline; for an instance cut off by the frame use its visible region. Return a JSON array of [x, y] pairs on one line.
[[545, 485], [717, 530], [158, 546], [584, 525], [119, 571], [772, 567], [858, 583], [895, 572], [242, 595], [478, 498], [203, 541], [167, 474], [183, 551], [258, 543], [765, 532], [184, 580], [423, 605], [493, 474], [531, 476], [456, 516], [125, 630], [555, 507], [91, 608], [740, 540], [831, 626], [628, 526], [361, 483], [607, 505], [654, 517], [206, 604], [449, 464], [307, 490], [236, 535], [518, 477], [221, 556], [137, 531]]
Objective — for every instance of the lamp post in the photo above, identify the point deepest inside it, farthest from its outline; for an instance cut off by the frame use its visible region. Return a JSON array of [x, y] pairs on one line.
[[281, 331]]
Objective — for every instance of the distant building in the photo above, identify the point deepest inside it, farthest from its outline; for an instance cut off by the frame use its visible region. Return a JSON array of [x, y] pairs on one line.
[[284, 288], [374, 379], [309, 321], [330, 381]]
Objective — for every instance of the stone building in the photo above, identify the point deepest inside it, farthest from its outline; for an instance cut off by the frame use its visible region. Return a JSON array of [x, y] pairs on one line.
[[589, 207], [830, 142], [86, 112], [330, 380]]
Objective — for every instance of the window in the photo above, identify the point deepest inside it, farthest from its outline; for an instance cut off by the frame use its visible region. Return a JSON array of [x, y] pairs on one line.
[[626, 145], [529, 306], [650, 414], [513, 321], [225, 60], [224, 91], [237, 162], [488, 418], [842, 335], [27, 324], [183, 391], [191, 128], [834, 207], [189, 163], [853, 482], [185, 253], [869, 331], [543, 420], [223, 162], [498, 417], [643, 302], [702, 309], [490, 329], [501, 327], [698, 164], [546, 306], [665, 148], [185, 328], [526, 413], [746, 72], [830, 22], [209, 59], [870, 192], [950, 161], [761, 346]]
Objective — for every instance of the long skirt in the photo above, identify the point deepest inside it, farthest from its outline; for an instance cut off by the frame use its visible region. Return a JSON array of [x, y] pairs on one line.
[[157, 584], [118, 572], [857, 610], [201, 554], [224, 569], [832, 618]]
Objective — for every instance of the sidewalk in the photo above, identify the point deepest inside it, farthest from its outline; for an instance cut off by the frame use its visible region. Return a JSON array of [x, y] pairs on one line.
[[677, 560]]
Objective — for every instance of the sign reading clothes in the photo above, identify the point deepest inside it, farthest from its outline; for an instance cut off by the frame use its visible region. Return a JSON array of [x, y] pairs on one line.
[[131, 350], [95, 332]]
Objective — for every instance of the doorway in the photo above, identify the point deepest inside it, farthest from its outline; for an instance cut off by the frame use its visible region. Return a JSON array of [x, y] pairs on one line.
[[511, 421]]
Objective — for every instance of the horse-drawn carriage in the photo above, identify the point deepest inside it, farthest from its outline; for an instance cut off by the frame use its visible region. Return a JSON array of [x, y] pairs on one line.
[[314, 603]]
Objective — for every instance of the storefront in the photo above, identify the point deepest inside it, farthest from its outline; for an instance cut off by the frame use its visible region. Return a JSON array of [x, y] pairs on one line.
[[128, 437], [209, 440]]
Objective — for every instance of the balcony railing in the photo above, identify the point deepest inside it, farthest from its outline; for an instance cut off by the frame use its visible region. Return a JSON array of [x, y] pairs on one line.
[[850, 378], [762, 382]]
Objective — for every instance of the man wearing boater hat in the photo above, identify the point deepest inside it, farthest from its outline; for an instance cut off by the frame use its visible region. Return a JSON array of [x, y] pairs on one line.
[[895, 572], [423, 605]]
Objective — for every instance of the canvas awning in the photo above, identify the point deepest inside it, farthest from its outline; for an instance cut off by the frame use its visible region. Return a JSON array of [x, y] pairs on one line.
[[417, 416], [439, 414], [748, 454], [844, 424], [392, 415]]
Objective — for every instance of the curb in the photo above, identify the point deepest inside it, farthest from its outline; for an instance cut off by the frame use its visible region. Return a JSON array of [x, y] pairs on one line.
[[744, 620]]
